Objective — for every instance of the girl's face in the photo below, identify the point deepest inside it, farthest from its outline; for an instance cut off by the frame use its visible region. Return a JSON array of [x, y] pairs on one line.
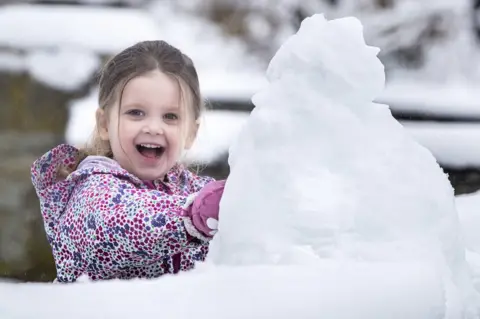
[[150, 129]]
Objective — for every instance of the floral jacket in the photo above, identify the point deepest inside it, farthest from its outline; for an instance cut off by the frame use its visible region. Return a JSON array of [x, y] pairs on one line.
[[103, 222]]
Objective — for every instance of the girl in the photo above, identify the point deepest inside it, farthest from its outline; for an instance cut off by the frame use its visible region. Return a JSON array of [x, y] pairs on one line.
[[124, 207]]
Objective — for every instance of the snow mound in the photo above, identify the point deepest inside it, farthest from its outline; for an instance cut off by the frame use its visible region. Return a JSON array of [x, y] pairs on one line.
[[319, 172], [328, 291], [350, 65]]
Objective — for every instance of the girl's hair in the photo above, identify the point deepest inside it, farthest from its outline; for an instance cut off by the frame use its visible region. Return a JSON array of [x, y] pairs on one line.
[[134, 61]]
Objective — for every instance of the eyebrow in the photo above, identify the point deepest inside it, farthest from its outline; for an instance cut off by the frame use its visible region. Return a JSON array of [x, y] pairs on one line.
[[172, 107], [141, 105]]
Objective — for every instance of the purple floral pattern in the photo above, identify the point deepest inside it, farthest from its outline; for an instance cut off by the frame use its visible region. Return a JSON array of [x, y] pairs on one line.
[[106, 223]]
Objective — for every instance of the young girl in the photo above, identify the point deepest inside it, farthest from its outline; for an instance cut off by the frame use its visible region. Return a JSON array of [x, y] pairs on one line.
[[123, 207]]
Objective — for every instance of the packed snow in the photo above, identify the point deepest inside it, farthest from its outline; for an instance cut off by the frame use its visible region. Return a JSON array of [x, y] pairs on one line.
[[331, 210], [327, 291], [325, 174]]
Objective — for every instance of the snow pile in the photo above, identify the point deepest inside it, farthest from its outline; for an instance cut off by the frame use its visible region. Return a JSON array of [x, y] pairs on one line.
[[325, 174]]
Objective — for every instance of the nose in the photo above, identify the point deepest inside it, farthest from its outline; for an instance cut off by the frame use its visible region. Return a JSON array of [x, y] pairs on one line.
[[153, 126]]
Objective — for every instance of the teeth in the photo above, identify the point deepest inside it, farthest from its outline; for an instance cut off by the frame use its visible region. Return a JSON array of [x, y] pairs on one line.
[[150, 146]]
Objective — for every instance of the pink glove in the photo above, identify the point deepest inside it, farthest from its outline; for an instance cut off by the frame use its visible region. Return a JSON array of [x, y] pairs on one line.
[[203, 210]]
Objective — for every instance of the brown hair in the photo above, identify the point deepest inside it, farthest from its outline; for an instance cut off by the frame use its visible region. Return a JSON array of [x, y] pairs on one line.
[[134, 61]]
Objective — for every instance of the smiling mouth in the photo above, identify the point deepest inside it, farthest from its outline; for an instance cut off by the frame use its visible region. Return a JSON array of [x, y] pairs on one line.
[[150, 150]]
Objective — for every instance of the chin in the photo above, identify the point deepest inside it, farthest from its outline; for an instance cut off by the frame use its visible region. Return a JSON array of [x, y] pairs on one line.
[[151, 175]]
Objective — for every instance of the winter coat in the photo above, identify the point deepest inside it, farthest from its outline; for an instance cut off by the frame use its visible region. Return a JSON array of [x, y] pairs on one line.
[[106, 223]]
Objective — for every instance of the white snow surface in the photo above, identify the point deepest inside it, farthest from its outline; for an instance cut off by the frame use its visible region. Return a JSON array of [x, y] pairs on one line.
[[347, 291], [326, 174]]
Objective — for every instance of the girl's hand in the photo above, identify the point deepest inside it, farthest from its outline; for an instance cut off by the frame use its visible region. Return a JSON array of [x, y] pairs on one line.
[[205, 208]]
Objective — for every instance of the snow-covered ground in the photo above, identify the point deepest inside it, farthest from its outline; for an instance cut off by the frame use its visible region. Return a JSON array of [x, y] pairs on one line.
[[395, 290], [345, 291]]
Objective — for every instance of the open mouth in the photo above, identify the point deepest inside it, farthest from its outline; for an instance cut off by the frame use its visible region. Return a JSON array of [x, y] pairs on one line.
[[150, 150]]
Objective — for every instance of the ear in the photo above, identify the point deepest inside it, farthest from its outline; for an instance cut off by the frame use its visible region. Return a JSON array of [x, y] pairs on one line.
[[192, 135], [102, 124]]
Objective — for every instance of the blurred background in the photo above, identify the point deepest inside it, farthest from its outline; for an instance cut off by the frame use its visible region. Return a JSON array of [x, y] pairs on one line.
[[51, 51]]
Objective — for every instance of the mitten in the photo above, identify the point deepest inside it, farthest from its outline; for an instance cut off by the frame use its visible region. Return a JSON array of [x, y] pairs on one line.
[[201, 210]]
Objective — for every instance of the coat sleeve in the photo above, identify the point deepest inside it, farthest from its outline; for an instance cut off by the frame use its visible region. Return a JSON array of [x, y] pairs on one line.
[[112, 219]]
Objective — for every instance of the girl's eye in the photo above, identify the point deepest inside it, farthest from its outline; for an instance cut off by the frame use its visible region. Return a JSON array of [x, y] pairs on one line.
[[135, 113], [171, 116]]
